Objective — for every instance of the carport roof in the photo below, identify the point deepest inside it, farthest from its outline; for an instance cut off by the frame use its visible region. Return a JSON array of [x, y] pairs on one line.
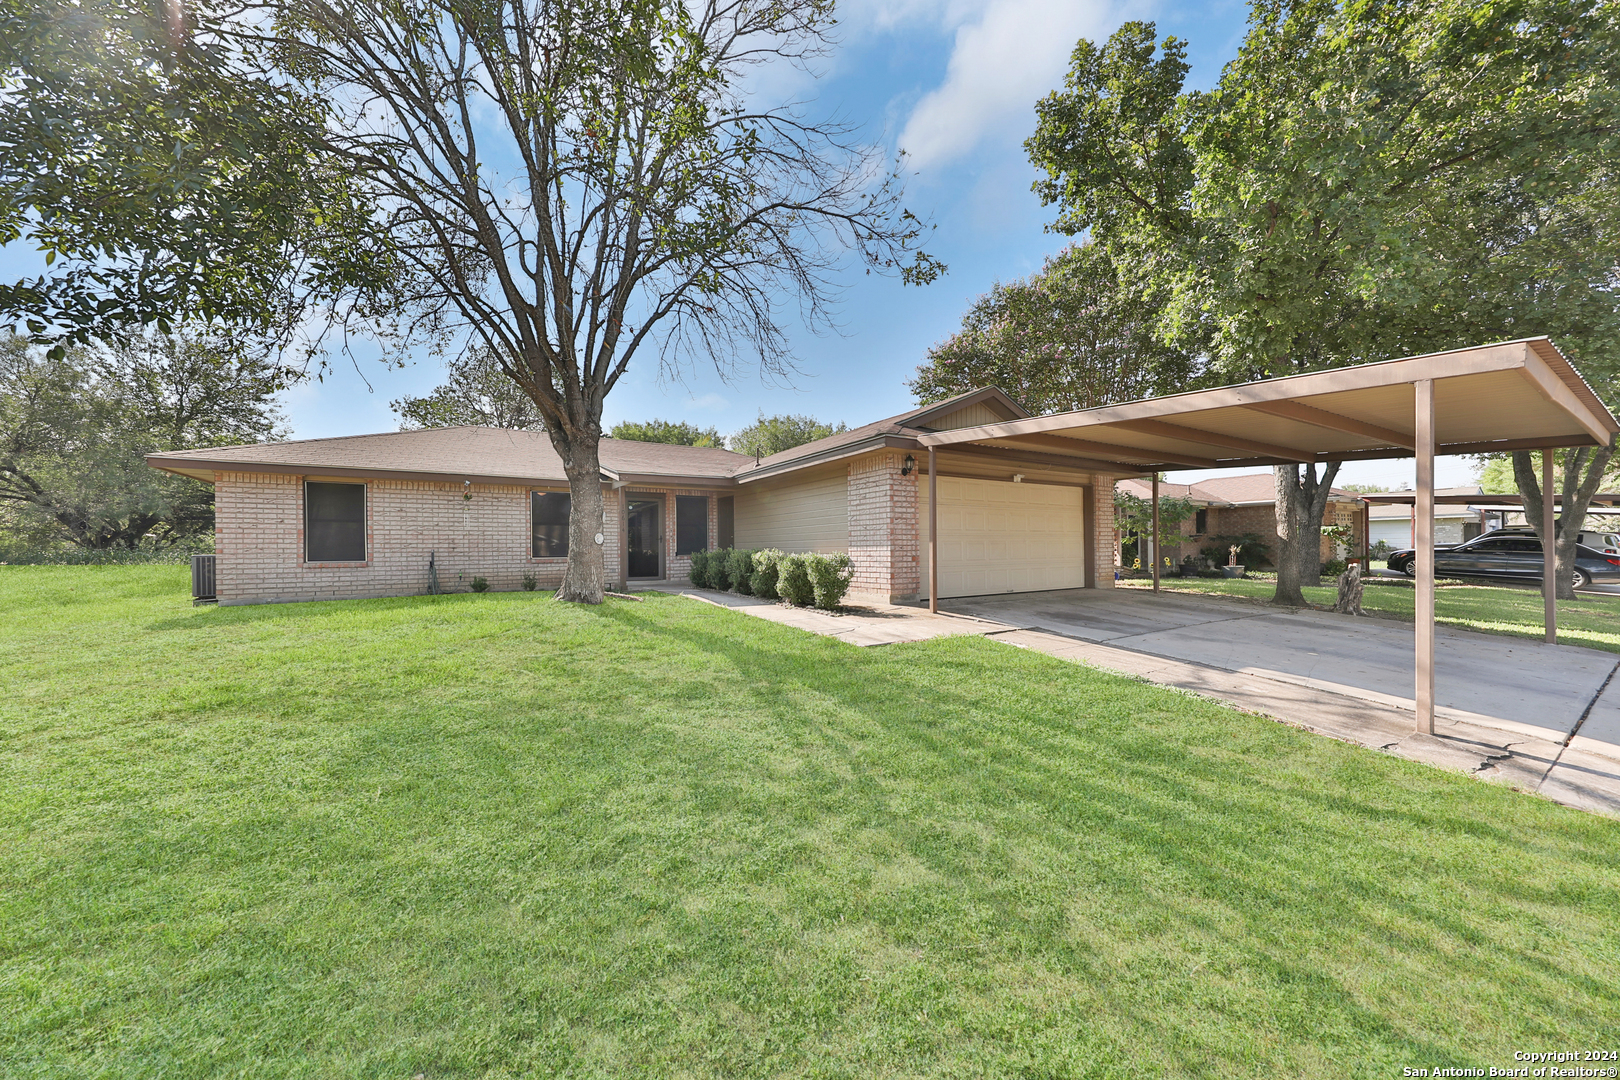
[[1514, 395]]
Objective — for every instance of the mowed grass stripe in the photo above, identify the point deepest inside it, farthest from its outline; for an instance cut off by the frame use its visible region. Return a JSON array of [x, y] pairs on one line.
[[500, 836]]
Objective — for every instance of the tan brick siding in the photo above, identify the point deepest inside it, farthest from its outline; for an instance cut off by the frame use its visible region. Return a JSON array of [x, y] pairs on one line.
[[1105, 554], [883, 540], [259, 540]]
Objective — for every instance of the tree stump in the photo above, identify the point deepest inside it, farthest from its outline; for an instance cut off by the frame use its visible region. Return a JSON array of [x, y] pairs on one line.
[[1349, 591]]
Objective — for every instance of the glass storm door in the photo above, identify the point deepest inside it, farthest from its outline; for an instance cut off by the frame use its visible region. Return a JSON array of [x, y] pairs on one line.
[[646, 535]]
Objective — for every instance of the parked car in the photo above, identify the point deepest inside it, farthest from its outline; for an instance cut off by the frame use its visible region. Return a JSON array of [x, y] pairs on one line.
[[1508, 553], [1607, 543]]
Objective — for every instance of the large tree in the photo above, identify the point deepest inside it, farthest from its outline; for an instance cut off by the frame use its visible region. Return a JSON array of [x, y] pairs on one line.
[[75, 427], [476, 393], [165, 174], [772, 434], [677, 432], [1368, 180], [574, 183], [1068, 337]]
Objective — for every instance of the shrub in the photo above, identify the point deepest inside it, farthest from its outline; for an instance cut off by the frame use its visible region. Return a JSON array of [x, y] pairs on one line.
[[480, 584], [739, 568], [530, 583], [700, 570], [1333, 567], [793, 580], [830, 576], [763, 579], [717, 569]]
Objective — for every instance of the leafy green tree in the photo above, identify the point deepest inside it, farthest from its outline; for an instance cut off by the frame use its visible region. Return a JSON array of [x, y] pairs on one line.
[[476, 394], [1133, 516], [1366, 181], [1068, 337], [162, 170], [75, 428], [571, 183], [772, 434], [667, 431]]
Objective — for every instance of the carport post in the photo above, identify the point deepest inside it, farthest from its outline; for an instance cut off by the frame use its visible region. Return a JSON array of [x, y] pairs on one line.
[[1155, 543], [1549, 551], [933, 533], [1423, 554], [1366, 538]]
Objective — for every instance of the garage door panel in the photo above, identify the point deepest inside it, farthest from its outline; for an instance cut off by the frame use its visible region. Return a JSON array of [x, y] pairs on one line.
[[997, 537]]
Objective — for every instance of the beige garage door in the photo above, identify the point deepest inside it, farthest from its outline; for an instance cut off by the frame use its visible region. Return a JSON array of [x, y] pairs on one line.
[[998, 537]]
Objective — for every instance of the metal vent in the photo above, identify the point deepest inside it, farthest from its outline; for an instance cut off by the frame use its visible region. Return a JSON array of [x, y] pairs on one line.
[[202, 579]]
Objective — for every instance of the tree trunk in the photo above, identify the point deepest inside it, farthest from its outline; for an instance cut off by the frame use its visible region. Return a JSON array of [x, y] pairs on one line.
[[1313, 495], [585, 580], [1302, 499], [1582, 475], [1288, 513]]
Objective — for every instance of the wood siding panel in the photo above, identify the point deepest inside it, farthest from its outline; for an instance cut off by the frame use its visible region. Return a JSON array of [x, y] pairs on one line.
[[810, 513], [974, 415]]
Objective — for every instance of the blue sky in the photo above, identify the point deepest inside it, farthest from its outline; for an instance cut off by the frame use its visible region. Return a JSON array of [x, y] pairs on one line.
[[954, 82]]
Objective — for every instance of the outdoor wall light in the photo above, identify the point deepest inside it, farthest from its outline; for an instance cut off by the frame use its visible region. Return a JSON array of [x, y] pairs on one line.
[[908, 466]]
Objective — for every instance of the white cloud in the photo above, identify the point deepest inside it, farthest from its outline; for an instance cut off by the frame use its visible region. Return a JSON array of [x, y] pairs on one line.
[[708, 401], [1007, 55]]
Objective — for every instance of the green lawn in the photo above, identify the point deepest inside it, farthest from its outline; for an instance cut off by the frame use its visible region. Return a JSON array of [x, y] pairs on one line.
[[488, 836], [1592, 621]]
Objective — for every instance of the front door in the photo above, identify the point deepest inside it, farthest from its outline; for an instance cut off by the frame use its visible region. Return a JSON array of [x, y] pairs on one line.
[[646, 535]]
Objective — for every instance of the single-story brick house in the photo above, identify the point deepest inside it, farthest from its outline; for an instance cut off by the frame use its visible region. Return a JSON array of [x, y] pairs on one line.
[[1236, 505], [361, 516]]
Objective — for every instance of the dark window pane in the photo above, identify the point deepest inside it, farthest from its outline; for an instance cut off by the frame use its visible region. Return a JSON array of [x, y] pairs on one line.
[[550, 512], [1524, 545], [334, 522], [1201, 525], [691, 524]]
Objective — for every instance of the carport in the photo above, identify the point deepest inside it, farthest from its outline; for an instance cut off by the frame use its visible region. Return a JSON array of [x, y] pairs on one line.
[[1517, 395]]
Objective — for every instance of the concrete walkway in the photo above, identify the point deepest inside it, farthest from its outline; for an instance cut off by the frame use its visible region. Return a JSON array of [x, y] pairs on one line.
[[1540, 718]]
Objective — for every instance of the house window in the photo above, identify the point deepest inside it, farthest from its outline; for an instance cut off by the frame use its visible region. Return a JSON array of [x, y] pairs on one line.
[[1201, 522], [334, 522], [691, 523], [549, 510]]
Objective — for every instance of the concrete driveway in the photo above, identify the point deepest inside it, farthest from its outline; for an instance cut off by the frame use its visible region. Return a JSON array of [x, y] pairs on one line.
[[1508, 684]]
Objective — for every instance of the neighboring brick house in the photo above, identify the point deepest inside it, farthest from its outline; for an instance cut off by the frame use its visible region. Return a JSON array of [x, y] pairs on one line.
[[363, 515], [1236, 505]]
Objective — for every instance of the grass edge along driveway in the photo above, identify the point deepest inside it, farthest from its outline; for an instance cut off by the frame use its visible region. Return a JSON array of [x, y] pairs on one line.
[[487, 836], [1591, 621]]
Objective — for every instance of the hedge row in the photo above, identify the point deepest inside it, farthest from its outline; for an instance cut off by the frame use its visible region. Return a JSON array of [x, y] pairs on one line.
[[801, 580]]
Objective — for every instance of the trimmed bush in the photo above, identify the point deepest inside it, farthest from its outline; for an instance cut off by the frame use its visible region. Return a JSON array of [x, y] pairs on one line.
[[480, 584], [793, 580], [530, 583], [739, 568], [830, 576], [1333, 567], [763, 579], [719, 577], [700, 570]]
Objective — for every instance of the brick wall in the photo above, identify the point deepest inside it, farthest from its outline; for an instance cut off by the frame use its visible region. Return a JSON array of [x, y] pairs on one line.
[[1237, 520], [259, 539], [1104, 546], [883, 544]]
